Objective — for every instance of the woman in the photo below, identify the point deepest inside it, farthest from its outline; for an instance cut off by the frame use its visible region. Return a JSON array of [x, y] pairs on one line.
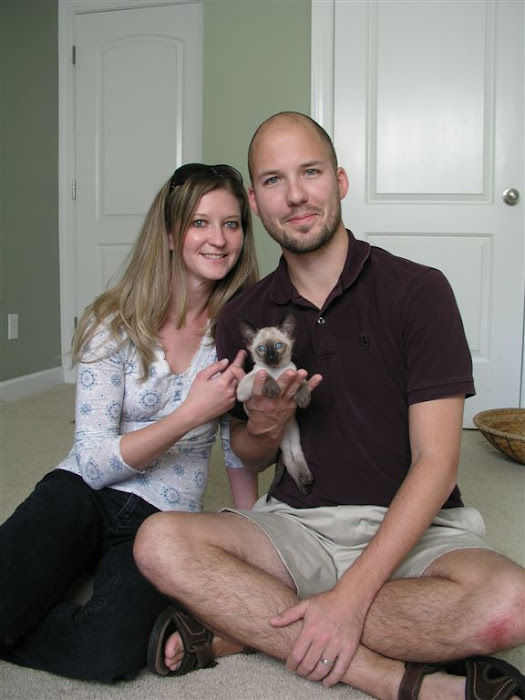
[[150, 398]]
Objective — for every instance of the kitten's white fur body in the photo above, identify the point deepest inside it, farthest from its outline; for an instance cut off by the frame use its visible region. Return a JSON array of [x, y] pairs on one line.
[[292, 455]]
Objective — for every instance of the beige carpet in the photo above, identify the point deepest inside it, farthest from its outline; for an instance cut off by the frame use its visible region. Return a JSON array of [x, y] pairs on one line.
[[36, 433]]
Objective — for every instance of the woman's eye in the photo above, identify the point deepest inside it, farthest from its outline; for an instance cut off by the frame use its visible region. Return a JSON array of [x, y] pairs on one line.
[[199, 223], [232, 224]]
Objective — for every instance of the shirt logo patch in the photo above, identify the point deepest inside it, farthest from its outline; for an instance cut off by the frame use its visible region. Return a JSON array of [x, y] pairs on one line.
[[364, 341]]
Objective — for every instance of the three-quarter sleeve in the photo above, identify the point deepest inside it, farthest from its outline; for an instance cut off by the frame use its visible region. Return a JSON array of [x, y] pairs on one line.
[[101, 384], [230, 459]]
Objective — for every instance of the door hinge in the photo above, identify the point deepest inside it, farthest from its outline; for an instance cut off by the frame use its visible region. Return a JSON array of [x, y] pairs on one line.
[[74, 55], [73, 190]]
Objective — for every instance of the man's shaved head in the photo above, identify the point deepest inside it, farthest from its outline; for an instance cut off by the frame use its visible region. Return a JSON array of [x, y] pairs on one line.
[[282, 120]]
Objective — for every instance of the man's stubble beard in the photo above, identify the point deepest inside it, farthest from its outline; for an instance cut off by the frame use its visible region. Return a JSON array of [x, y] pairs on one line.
[[298, 245]]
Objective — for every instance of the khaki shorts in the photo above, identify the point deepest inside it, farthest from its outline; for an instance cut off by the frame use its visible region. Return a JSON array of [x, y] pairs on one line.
[[317, 545]]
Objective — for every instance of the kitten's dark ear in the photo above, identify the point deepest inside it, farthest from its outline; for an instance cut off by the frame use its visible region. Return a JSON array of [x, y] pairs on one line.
[[248, 332], [287, 325]]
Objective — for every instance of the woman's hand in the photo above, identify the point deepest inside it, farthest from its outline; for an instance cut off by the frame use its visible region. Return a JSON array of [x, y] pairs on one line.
[[212, 393], [214, 389]]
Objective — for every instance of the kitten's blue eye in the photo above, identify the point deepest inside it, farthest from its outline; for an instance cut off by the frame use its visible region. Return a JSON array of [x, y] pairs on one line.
[[278, 346], [261, 348]]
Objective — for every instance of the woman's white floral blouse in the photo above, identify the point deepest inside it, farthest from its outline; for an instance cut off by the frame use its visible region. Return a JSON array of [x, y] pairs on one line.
[[112, 400]]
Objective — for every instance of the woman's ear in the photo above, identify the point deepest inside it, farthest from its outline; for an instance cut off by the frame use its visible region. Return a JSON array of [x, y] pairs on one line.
[[171, 241]]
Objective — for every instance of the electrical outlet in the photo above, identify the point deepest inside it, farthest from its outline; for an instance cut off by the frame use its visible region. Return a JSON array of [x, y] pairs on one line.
[[12, 326]]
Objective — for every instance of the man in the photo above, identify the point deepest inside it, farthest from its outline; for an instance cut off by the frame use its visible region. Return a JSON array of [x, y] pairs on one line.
[[380, 564]]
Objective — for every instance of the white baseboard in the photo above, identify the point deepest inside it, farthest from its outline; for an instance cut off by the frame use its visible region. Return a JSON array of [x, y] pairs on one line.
[[20, 387]]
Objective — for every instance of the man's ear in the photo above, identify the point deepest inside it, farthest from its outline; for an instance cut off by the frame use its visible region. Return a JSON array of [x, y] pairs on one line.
[[342, 182], [253, 201]]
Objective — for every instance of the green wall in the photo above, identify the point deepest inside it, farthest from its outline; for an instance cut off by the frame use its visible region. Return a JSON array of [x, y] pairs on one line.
[[29, 264], [256, 63]]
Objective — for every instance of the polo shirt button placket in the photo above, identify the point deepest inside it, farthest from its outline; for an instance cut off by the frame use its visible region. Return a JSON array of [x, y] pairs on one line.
[[323, 343]]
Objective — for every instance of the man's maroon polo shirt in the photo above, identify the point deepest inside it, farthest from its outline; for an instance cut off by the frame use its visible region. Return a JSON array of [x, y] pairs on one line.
[[388, 336]]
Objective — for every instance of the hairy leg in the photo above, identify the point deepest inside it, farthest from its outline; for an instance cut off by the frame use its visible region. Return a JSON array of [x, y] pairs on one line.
[[226, 571], [468, 602], [222, 566]]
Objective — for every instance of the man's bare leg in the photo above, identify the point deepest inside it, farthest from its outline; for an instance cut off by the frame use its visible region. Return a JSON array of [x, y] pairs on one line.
[[452, 611], [235, 592], [225, 570]]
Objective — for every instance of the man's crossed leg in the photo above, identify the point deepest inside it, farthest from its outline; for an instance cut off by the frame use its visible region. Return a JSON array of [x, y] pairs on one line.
[[227, 573]]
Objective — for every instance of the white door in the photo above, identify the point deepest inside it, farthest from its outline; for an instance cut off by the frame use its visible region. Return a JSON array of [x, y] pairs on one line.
[[428, 121], [138, 97]]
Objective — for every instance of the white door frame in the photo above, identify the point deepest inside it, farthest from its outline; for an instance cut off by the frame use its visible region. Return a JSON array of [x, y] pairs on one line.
[[322, 92], [322, 63], [67, 12]]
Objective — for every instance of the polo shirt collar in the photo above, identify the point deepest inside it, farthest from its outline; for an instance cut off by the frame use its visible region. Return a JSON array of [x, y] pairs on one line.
[[358, 253]]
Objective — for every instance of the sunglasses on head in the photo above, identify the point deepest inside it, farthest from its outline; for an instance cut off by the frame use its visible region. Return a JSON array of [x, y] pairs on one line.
[[224, 172]]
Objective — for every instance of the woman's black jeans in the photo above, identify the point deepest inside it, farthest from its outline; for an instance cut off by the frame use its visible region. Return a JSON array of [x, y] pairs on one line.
[[62, 531]]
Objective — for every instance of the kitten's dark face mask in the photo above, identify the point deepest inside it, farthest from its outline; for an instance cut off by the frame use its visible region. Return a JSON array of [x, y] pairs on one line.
[[271, 345]]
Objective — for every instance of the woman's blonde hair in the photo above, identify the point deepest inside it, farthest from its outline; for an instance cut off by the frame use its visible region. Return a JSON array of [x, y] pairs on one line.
[[139, 303]]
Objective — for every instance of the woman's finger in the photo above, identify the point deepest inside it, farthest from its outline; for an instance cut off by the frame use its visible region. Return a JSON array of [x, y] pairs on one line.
[[239, 359]]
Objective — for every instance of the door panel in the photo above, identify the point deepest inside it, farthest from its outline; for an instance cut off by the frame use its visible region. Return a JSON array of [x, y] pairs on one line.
[[429, 134], [428, 116], [138, 116]]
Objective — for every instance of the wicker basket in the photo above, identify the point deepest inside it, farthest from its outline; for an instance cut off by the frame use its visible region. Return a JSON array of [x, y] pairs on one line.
[[505, 429]]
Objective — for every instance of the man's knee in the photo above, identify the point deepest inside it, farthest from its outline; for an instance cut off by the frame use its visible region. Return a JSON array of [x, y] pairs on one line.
[[154, 541], [492, 603], [504, 622]]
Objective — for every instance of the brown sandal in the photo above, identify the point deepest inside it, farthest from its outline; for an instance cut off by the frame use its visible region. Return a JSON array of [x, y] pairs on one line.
[[195, 638], [487, 678], [411, 681]]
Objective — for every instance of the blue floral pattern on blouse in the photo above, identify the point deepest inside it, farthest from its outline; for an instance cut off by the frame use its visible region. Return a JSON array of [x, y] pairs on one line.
[[112, 400]]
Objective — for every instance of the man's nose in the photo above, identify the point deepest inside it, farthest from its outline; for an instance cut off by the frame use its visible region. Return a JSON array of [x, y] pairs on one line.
[[296, 192]]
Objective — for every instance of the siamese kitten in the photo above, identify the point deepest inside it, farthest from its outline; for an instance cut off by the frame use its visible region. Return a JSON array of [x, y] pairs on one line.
[[271, 350]]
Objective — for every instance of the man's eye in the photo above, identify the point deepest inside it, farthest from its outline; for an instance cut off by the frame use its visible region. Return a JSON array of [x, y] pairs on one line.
[[312, 171], [271, 180]]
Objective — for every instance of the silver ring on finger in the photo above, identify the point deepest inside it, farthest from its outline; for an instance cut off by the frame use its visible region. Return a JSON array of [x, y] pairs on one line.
[[327, 662]]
